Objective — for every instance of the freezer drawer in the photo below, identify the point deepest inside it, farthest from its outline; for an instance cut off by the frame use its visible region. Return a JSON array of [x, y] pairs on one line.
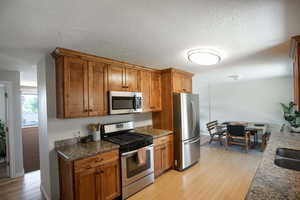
[[190, 153]]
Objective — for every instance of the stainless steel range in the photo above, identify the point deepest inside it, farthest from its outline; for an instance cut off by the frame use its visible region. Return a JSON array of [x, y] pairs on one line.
[[137, 167]]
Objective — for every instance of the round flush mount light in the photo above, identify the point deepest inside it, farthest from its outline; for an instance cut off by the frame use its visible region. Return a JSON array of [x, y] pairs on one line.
[[204, 56]]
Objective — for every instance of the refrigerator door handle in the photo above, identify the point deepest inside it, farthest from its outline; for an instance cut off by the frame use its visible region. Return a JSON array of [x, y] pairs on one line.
[[194, 116], [191, 142]]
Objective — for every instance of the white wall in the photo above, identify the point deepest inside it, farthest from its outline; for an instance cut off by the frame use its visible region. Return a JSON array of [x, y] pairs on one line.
[[12, 78], [254, 100], [52, 129], [2, 102]]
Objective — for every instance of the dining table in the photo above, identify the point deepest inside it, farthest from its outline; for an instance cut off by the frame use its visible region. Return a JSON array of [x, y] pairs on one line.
[[257, 129]]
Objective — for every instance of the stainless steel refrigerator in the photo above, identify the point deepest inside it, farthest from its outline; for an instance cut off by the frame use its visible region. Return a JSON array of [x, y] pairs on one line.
[[186, 130]]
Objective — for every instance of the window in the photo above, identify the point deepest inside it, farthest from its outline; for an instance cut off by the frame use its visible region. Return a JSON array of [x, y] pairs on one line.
[[29, 110]]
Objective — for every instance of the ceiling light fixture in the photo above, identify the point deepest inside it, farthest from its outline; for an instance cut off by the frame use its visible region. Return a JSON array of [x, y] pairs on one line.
[[234, 77], [204, 56]]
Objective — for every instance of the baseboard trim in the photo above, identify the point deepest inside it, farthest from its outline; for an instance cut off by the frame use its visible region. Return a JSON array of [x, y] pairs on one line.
[[45, 195], [19, 174]]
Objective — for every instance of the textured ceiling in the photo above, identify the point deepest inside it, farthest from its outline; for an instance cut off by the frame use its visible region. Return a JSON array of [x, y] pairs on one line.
[[250, 35]]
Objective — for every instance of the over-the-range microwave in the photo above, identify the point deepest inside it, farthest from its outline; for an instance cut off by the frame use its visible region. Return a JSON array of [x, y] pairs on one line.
[[125, 102]]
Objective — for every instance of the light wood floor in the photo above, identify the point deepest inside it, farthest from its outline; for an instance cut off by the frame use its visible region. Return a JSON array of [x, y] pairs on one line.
[[219, 175], [23, 188]]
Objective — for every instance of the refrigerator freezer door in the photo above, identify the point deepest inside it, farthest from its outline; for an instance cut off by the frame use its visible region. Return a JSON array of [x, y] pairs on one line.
[[186, 116], [190, 153]]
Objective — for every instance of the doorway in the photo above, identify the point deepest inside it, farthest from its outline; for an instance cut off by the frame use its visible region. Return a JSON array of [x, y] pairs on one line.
[[30, 134], [4, 154]]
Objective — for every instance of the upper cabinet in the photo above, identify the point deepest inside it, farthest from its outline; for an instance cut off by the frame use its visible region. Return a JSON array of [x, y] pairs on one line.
[[151, 89], [83, 82], [182, 82], [155, 96], [80, 87], [172, 80], [123, 77], [295, 54]]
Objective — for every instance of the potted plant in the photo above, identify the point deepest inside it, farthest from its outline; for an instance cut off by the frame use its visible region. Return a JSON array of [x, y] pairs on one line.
[[292, 116], [2, 139]]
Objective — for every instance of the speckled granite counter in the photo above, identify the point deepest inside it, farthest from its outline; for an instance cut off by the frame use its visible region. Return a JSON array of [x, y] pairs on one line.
[[271, 181], [156, 133], [77, 151]]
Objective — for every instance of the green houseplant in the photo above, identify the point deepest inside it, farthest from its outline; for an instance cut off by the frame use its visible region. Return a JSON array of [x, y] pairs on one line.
[[291, 115], [2, 139]]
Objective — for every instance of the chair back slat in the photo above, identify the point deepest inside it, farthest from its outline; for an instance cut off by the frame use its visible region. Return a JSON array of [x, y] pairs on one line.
[[211, 126]]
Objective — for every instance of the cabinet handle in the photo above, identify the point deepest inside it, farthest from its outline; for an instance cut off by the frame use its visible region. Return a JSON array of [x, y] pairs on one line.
[[90, 110], [88, 167], [99, 160], [152, 107], [86, 110]]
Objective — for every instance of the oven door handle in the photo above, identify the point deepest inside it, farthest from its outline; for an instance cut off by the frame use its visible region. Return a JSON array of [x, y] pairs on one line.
[[134, 151]]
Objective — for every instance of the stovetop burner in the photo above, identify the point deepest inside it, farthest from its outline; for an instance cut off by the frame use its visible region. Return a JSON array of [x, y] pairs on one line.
[[129, 140]]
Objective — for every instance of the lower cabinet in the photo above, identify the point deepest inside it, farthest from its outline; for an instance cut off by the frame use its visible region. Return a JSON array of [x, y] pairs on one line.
[[92, 178], [163, 154]]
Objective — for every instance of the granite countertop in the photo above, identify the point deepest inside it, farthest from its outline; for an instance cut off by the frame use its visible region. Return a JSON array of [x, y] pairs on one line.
[[156, 133], [271, 181], [75, 151]]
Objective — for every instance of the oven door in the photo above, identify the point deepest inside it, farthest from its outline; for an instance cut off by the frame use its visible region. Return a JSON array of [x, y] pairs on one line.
[[125, 102], [132, 170]]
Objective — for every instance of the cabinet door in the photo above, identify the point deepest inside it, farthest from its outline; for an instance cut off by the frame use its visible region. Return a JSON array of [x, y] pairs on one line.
[[186, 84], [97, 89], [85, 185], [155, 91], [75, 87], [132, 79], [110, 180], [158, 160], [116, 80], [146, 90], [169, 155], [177, 82]]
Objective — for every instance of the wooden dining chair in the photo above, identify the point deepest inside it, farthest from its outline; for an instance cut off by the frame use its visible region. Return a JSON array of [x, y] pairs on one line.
[[237, 134], [215, 134]]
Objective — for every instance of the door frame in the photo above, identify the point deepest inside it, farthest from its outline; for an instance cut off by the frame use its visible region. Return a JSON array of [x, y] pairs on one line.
[[11, 129]]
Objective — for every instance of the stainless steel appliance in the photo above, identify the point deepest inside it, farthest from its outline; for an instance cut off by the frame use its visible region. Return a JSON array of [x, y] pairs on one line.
[[125, 102], [136, 173], [186, 130]]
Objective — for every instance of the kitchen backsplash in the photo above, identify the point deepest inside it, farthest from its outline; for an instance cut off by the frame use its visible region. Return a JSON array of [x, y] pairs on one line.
[[67, 128]]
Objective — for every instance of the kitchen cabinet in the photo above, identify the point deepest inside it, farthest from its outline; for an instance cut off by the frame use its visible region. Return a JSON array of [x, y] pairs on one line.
[[295, 54], [151, 89], [163, 154], [123, 77], [97, 89], [92, 178], [80, 87], [155, 96], [172, 80], [182, 83]]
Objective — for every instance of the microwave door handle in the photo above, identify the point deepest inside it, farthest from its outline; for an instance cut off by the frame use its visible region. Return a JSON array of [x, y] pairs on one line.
[[134, 102]]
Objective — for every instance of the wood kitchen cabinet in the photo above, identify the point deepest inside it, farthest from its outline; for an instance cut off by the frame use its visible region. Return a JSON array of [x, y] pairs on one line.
[[81, 87], [123, 77], [182, 83], [151, 89], [295, 54], [163, 154], [92, 178], [172, 80]]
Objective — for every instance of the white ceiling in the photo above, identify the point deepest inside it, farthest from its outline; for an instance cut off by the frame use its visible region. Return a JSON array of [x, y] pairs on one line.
[[251, 35]]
